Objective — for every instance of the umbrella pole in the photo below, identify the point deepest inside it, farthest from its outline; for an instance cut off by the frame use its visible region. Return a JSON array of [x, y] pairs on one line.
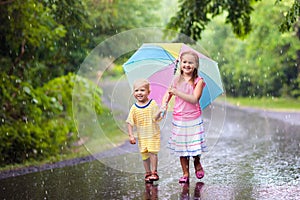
[[170, 96], [166, 104]]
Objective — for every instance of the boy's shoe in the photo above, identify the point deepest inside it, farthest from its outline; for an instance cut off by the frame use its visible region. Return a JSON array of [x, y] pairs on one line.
[[154, 176], [147, 177]]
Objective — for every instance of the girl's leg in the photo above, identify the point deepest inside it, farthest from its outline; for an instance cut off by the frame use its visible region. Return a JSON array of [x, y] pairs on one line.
[[198, 167], [184, 161]]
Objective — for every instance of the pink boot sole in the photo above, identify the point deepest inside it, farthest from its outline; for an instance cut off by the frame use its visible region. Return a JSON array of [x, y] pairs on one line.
[[184, 179], [199, 174]]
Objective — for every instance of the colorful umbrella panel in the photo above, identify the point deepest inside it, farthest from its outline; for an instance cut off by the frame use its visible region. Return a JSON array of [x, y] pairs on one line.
[[157, 61]]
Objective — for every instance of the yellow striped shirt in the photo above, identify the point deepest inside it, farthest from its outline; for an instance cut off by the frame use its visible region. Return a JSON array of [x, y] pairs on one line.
[[148, 130]]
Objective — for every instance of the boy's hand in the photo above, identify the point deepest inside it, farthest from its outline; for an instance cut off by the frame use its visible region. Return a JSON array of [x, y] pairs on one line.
[[132, 140], [163, 111]]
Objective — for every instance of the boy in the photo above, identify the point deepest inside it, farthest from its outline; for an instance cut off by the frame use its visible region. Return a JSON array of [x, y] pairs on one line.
[[145, 115]]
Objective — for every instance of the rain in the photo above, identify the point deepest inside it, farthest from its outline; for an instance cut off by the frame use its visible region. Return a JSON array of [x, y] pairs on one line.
[[80, 153]]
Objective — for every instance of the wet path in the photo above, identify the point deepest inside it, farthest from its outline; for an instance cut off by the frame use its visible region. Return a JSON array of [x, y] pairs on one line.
[[252, 156]]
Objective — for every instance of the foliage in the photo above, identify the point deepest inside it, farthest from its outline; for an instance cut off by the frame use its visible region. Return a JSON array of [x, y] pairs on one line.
[[41, 40], [112, 17], [37, 122], [193, 16], [291, 18], [265, 63], [26, 28]]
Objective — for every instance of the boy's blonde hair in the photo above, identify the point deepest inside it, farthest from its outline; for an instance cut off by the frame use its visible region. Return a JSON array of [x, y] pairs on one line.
[[141, 82]]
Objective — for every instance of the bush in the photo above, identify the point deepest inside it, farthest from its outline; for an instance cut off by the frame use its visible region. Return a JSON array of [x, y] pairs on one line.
[[38, 123]]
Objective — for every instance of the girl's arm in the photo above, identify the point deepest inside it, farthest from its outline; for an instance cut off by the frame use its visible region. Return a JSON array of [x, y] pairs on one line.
[[166, 98], [191, 98]]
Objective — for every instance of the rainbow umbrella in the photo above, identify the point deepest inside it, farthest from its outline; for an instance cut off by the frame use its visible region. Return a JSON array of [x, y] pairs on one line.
[[157, 63]]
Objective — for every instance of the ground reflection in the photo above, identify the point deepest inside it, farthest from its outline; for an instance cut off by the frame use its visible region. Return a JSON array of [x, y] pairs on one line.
[[185, 194], [151, 191]]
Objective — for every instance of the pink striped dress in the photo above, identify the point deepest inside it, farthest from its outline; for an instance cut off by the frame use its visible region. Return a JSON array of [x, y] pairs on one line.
[[187, 137]]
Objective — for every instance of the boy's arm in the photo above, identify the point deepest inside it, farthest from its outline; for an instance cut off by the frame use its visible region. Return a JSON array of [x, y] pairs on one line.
[[130, 134], [158, 115]]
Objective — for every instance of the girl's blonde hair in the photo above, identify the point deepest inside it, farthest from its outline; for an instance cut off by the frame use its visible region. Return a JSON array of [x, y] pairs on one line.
[[141, 82], [196, 57]]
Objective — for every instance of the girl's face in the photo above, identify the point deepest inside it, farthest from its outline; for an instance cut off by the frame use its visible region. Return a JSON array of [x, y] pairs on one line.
[[141, 94], [188, 64]]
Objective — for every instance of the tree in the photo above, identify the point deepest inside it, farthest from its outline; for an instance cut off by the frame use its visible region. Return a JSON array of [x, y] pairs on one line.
[[263, 64], [111, 17], [291, 17], [194, 15], [41, 40], [26, 26]]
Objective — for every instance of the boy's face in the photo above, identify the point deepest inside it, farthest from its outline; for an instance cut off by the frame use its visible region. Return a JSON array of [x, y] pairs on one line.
[[141, 93]]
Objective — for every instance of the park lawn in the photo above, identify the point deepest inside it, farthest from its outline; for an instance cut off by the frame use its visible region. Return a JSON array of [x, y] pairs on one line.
[[271, 103]]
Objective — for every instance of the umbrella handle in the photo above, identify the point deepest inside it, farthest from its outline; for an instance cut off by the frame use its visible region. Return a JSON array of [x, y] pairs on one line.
[[167, 102]]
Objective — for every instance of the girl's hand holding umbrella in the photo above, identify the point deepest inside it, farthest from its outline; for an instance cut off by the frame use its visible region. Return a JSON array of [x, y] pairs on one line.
[[165, 106]]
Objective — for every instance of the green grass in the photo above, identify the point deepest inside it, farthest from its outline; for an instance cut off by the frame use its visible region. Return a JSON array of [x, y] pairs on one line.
[[277, 104]]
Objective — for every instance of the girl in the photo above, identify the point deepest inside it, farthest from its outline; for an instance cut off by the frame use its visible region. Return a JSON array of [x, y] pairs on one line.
[[144, 115], [187, 138]]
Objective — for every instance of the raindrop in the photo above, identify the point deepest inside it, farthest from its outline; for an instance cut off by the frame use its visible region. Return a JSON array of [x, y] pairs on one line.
[[35, 101]]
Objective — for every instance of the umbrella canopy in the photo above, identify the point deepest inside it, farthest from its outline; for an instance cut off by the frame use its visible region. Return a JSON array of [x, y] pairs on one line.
[[157, 61]]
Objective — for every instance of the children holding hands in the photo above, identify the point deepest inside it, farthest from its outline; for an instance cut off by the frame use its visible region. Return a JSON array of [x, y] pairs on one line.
[[187, 136]]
